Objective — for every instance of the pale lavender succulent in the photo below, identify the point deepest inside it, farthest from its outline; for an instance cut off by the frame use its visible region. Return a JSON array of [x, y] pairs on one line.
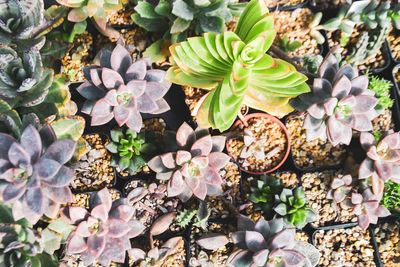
[[269, 243], [340, 188], [123, 89], [383, 160], [193, 166], [103, 235], [339, 102], [33, 178]]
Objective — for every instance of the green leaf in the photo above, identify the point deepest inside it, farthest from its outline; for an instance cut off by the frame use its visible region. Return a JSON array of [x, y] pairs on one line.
[[281, 209], [182, 10], [180, 25], [202, 3], [317, 36], [237, 8], [70, 127], [163, 9], [58, 91], [293, 46], [53, 50], [347, 27], [332, 24], [146, 10], [123, 163], [112, 147], [151, 25], [211, 24], [116, 135], [316, 20]]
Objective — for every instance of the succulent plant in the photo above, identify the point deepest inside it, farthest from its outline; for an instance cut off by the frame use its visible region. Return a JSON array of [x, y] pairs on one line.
[[102, 235], [95, 10], [367, 208], [236, 70], [129, 149], [174, 18], [339, 102], [382, 162], [157, 255], [19, 20], [269, 243], [35, 182], [288, 46], [252, 146], [24, 82], [122, 89], [192, 168], [372, 13], [311, 63], [391, 197], [340, 188], [293, 206], [199, 217], [263, 192], [381, 87]]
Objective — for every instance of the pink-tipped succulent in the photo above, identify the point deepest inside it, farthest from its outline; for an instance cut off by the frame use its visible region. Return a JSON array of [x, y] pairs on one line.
[[123, 89], [340, 188], [33, 178], [367, 208], [339, 102], [269, 243], [193, 166], [383, 160], [103, 234]]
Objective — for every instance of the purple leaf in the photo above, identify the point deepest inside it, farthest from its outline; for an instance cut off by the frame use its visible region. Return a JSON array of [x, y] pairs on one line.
[[283, 239], [341, 88], [100, 212], [136, 254], [339, 195], [137, 71], [162, 105], [34, 200], [73, 214], [337, 182], [156, 165], [241, 258], [218, 143], [245, 223], [61, 150], [239, 239], [124, 212], [211, 177], [330, 106], [362, 123], [200, 191], [121, 115], [17, 155], [95, 76], [182, 157], [218, 160], [202, 146], [50, 208], [82, 229], [322, 88], [76, 244], [162, 223], [347, 71], [262, 227], [383, 169], [61, 179], [363, 221], [146, 104], [155, 90], [114, 250], [31, 142], [111, 98], [11, 193], [96, 245], [212, 241], [367, 140], [365, 103], [316, 110], [260, 258], [135, 121], [117, 227], [293, 258], [168, 160], [101, 197], [111, 79], [136, 228], [5, 143], [90, 92], [356, 198], [120, 59], [47, 168], [175, 185], [100, 120], [255, 241], [60, 195], [101, 108], [136, 87], [185, 136], [155, 76], [359, 85], [366, 169]]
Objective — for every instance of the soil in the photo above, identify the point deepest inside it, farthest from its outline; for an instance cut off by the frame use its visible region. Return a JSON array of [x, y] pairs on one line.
[[311, 154], [394, 41], [121, 17], [327, 4], [316, 186], [378, 61], [215, 258], [270, 138], [302, 236], [345, 247], [387, 236], [93, 170], [78, 57], [82, 199], [275, 3], [294, 24]]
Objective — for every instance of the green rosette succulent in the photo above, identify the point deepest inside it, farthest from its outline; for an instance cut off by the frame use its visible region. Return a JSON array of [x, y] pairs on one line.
[[263, 191], [96, 10], [236, 70], [130, 150], [19, 20], [293, 207]]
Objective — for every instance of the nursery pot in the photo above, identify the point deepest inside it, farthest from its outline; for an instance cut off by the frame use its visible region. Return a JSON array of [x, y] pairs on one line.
[[274, 120]]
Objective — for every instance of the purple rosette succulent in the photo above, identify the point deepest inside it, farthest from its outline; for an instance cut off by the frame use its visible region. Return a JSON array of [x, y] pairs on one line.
[[123, 89]]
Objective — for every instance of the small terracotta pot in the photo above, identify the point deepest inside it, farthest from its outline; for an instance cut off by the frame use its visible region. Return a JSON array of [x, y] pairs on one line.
[[274, 120]]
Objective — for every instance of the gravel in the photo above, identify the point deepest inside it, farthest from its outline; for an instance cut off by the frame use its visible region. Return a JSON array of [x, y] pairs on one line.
[[345, 247], [387, 236]]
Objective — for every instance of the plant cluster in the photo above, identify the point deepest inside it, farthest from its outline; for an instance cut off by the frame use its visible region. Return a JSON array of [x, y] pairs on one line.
[[130, 150], [339, 102], [102, 235], [122, 89], [236, 70], [198, 217], [381, 87], [269, 243], [192, 166], [391, 197], [269, 196]]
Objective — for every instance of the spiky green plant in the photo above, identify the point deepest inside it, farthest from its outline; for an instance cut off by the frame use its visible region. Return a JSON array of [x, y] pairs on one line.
[[381, 87], [391, 197], [236, 70], [129, 149]]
